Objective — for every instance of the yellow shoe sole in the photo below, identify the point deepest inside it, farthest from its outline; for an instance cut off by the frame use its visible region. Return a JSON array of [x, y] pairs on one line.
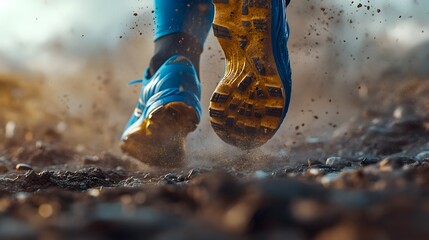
[[159, 140], [247, 106]]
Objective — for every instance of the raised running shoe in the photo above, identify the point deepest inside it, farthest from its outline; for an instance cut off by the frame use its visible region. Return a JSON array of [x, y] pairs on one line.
[[250, 103]]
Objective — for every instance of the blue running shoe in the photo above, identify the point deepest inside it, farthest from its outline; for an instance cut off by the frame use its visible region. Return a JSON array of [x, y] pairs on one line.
[[250, 103], [168, 109]]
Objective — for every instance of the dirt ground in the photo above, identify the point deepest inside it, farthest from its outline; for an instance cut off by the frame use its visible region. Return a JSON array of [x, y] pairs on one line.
[[370, 181]]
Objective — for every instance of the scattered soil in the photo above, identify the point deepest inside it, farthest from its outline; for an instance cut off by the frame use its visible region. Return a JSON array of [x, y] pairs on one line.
[[370, 181]]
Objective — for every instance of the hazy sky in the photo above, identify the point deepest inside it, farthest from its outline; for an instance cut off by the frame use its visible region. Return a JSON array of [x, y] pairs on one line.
[[78, 25], [81, 25]]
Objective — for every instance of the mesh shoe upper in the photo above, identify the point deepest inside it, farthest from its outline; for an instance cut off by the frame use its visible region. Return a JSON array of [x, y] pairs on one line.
[[175, 81]]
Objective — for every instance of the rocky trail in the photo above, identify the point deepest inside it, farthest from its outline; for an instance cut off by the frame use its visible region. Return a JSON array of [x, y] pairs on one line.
[[369, 182]]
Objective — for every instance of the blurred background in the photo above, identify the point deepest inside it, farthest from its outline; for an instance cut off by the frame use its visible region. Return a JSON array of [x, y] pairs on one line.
[[64, 67]]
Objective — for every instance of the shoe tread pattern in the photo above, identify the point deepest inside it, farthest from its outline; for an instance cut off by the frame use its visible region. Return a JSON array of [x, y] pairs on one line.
[[247, 106]]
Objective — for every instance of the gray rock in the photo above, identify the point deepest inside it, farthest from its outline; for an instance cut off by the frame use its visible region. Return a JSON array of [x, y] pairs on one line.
[[131, 182], [171, 178], [338, 162], [422, 156]]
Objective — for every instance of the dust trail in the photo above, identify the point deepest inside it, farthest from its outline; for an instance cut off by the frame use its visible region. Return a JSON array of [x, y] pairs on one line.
[[81, 54]]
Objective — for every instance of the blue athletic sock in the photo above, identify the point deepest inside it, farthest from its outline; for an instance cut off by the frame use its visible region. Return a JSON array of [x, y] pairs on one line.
[[192, 17], [181, 28]]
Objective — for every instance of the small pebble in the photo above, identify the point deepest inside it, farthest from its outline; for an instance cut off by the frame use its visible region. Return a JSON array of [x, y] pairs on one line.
[[338, 161], [23, 167], [119, 168], [423, 156], [171, 178], [403, 112], [317, 171]]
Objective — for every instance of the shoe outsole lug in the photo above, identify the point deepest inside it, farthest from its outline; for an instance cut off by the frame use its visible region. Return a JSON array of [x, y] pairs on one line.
[[221, 32], [159, 140], [252, 111], [219, 98]]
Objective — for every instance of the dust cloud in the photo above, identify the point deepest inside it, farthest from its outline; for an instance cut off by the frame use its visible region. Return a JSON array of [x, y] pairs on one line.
[[71, 62]]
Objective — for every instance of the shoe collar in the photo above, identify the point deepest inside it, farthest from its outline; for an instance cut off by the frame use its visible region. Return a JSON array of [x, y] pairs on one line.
[[147, 77]]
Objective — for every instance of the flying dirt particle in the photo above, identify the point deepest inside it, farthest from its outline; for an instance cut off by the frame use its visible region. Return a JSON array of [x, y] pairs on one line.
[[359, 5], [135, 14], [316, 117], [378, 10]]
